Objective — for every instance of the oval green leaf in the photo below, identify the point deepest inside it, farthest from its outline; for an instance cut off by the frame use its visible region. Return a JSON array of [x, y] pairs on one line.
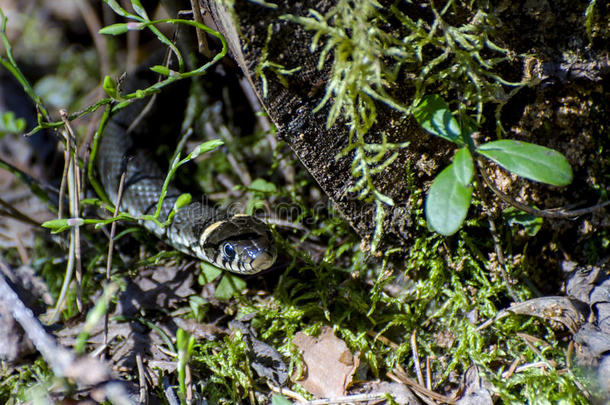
[[118, 9], [530, 161], [162, 70], [262, 186], [229, 285], [56, 224], [205, 147], [208, 273], [433, 114], [463, 166], [10, 124], [137, 7], [110, 87], [114, 29], [181, 201], [447, 202], [279, 399]]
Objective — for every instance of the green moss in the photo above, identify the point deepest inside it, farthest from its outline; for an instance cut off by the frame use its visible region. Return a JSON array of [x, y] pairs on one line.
[[264, 63], [24, 382]]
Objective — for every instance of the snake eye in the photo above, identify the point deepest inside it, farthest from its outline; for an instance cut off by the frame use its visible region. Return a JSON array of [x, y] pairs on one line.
[[228, 251]]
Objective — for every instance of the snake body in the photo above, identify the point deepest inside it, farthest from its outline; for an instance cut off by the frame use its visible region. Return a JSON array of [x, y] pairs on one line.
[[238, 243]]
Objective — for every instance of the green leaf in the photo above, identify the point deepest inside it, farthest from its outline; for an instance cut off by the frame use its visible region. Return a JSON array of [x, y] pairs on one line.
[[162, 70], [181, 201], [279, 399], [463, 166], [447, 202], [110, 87], [95, 315], [433, 114], [61, 224], [263, 186], [253, 205], [205, 147], [183, 340], [117, 8], [209, 273], [199, 306], [114, 29], [137, 7], [529, 222], [9, 124], [531, 161], [229, 286]]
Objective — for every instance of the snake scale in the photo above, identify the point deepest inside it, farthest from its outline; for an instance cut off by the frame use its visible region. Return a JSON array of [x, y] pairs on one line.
[[238, 243]]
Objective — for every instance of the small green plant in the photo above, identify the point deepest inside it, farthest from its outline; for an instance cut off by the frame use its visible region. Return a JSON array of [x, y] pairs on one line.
[[279, 70], [230, 284], [185, 344], [10, 124], [451, 192]]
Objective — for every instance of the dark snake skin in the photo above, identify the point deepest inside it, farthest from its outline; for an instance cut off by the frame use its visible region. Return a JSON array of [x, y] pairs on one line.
[[238, 243]]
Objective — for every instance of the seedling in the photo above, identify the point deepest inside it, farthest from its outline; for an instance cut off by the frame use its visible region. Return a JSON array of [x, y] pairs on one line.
[[449, 196]]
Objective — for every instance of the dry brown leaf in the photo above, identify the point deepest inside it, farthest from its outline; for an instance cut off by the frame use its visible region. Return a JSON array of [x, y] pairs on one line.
[[330, 364]]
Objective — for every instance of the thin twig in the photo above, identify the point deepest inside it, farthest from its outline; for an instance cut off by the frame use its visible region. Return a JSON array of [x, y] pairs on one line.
[[111, 244], [287, 392], [17, 214], [132, 43], [402, 377], [511, 370], [202, 40], [62, 185], [494, 234], [170, 395], [23, 254], [538, 364], [415, 357], [85, 370], [500, 256], [347, 399], [71, 178], [74, 194], [236, 163], [382, 339], [141, 380], [93, 26], [560, 213], [428, 374], [188, 382]]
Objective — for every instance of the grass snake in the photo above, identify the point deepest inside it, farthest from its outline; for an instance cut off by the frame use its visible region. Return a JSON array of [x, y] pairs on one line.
[[238, 243]]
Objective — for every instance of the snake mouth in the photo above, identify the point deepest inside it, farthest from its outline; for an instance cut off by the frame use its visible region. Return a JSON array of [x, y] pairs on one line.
[[263, 261]]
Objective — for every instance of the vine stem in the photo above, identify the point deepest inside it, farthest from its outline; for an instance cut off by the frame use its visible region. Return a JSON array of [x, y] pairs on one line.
[[560, 213], [494, 232]]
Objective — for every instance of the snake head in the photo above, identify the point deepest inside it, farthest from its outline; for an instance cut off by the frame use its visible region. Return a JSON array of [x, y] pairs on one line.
[[241, 244]]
